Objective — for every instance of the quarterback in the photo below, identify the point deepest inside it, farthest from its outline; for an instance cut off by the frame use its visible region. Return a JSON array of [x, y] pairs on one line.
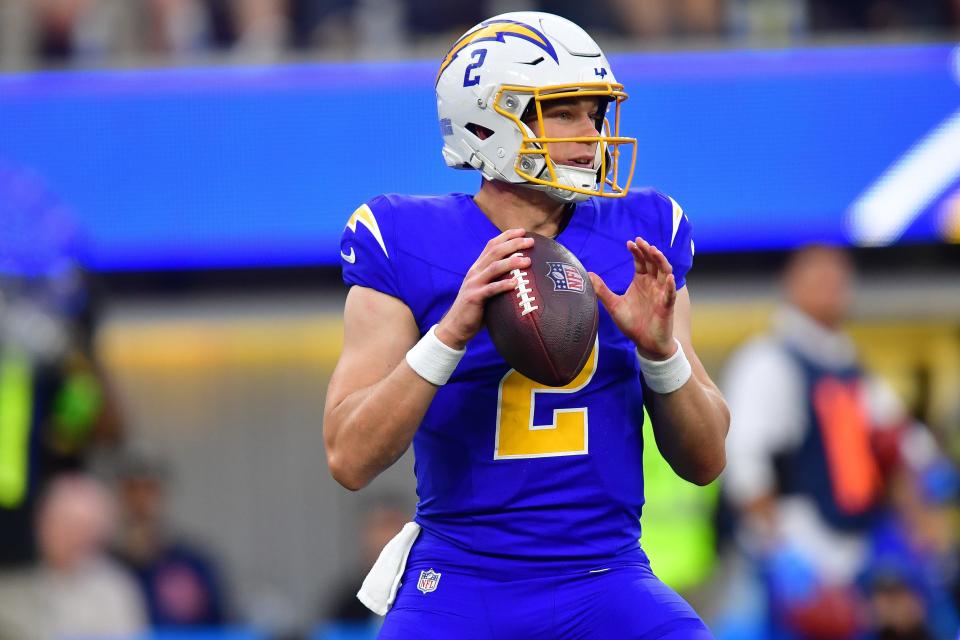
[[528, 521]]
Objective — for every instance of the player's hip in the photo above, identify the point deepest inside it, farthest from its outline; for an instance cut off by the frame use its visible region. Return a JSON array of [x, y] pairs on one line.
[[625, 601]]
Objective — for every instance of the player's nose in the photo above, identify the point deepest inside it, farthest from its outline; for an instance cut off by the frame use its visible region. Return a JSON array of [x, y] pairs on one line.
[[586, 126]]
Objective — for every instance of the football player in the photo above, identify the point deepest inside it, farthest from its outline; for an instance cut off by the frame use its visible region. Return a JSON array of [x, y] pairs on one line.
[[529, 514]]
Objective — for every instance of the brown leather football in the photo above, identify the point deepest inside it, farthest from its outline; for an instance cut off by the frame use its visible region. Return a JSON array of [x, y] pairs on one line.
[[546, 326]]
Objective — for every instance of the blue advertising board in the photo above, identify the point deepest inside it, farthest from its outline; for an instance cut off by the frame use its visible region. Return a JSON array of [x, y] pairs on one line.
[[261, 166]]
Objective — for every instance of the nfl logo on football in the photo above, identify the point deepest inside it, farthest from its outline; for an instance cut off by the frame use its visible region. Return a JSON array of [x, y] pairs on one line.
[[428, 581], [565, 277]]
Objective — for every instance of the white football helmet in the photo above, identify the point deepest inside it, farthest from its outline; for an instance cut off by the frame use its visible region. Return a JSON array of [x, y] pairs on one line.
[[498, 74]]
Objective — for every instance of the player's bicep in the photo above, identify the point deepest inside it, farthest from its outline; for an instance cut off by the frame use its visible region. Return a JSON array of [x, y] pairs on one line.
[[378, 331]]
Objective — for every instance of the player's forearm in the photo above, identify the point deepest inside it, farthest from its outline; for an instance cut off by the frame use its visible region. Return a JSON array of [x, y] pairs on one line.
[[371, 428], [690, 425]]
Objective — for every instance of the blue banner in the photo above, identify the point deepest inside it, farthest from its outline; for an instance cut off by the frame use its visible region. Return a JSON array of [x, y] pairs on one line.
[[241, 167]]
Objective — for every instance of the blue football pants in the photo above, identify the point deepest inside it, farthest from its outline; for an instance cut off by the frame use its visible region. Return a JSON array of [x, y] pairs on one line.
[[622, 603]]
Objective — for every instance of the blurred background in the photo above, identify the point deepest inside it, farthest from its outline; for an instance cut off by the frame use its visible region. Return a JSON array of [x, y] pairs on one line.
[[174, 177]]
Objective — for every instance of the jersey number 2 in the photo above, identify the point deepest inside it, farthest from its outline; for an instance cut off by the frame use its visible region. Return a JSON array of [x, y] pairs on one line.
[[517, 434], [478, 56]]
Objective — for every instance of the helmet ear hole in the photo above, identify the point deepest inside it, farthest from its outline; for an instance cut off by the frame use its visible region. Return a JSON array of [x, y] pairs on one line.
[[480, 131], [530, 112]]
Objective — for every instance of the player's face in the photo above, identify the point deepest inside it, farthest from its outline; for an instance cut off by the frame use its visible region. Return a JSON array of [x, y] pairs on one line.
[[570, 118], [820, 284]]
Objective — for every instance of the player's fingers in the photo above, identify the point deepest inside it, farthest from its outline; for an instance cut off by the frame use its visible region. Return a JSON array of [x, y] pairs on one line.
[[663, 267], [642, 262], [497, 287], [661, 259], [502, 250], [504, 265], [606, 297], [661, 274], [506, 235], [498, 239], [508, 247], [671, 295], [639, 262], [648, 251]]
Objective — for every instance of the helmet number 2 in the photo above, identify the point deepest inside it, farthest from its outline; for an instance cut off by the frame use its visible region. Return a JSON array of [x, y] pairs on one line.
[[479, 55]]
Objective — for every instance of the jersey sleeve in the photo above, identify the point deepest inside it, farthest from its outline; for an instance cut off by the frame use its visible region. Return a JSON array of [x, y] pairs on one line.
[[676, 238], [368, 249]]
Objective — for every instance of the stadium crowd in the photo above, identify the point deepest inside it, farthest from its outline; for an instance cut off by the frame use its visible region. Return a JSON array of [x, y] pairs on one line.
[[40, 33]]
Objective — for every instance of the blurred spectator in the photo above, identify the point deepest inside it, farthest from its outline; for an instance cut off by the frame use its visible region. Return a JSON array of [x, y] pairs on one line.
[[57, 412], [323, 23], [179, 581], [662, 18], [912, 575], [76, 591], [264, 29], [814, 444], [261, 27], [56, 32], [601, 17], [345, 618], [425, 17], [862, 15], [172, 27], [767, 19], [58, 23]]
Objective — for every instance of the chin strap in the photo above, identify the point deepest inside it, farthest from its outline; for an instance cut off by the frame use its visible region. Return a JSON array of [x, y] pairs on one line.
[[571, 177]]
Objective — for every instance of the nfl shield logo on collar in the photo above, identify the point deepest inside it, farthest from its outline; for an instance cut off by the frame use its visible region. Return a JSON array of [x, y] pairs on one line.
[[428, 581]]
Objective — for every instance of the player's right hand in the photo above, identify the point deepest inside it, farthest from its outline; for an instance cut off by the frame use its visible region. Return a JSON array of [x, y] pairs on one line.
[[483, 281]]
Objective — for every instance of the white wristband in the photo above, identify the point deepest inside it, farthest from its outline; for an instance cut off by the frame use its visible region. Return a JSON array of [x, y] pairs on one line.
[[665, 376], [432, 360]]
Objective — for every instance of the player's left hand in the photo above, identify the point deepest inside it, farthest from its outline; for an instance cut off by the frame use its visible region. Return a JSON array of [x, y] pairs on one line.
[[644, 313]]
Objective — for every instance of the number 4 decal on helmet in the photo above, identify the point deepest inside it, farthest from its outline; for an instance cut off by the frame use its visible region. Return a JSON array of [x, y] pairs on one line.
[[479, 56]]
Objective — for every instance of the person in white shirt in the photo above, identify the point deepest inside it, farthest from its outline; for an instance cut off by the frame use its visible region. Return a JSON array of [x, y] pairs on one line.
[[809, 447]]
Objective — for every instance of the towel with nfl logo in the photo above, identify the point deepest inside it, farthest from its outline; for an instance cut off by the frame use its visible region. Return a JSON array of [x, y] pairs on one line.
[[379, 588]]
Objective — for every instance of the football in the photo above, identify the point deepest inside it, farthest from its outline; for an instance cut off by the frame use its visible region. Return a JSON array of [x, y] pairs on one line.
[[545, 327]]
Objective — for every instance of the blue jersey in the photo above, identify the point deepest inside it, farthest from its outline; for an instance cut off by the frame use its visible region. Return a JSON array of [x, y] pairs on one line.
[[506, 467]]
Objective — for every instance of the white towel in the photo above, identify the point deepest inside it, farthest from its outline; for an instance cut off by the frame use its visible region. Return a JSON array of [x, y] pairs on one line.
[[379, 588]]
